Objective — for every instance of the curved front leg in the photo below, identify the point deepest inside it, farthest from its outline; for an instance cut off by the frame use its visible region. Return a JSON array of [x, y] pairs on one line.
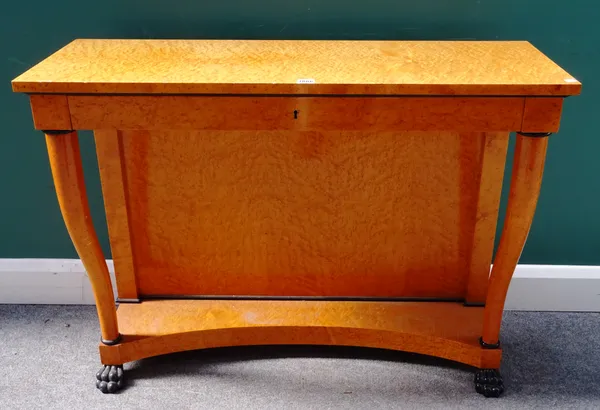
[[65, 161], [528, 167]]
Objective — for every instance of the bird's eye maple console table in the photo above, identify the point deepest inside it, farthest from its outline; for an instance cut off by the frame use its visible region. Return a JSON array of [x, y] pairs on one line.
[[300, 192]]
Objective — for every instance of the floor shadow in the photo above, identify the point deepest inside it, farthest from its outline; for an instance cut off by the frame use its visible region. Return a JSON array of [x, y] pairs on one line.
[[351, 371], [172, 363]]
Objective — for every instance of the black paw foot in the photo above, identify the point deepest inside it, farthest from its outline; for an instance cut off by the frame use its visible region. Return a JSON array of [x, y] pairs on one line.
[[489, 382], [109, 379]]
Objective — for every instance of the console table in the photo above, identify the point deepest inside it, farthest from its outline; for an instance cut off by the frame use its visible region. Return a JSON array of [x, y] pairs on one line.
[[300, 192]]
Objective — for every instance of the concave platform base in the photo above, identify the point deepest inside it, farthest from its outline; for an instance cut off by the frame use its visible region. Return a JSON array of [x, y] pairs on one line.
[[443, 329]]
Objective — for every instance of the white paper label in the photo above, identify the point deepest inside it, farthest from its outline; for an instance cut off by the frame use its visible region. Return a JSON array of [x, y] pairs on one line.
[[305, 81]]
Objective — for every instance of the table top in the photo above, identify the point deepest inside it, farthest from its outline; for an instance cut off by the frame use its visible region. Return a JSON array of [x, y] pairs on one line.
[[298, 67]]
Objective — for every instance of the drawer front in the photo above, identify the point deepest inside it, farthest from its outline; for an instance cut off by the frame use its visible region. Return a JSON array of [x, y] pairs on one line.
[[296, 113]]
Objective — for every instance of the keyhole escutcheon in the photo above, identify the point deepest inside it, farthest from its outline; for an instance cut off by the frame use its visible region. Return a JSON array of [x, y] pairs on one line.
[[296, 114]]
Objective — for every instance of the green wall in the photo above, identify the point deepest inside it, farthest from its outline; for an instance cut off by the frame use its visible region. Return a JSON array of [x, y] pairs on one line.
[[566, 229]]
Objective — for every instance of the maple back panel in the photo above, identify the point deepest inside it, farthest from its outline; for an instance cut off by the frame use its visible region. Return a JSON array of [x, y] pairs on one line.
[[303, 213]]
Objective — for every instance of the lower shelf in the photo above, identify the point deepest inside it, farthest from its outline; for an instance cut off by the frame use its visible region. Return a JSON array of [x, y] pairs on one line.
[[443, 329]]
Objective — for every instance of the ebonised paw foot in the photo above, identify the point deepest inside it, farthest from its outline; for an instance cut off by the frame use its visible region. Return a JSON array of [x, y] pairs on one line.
[[109, 379], [489, 382]]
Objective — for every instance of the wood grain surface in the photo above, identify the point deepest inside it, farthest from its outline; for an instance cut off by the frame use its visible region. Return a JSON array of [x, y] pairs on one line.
[[526, 181], [67, 173], [485, 219], [447, 330], [276, 66], [309, 213], [542, 114], [50, 112], [296, 113], [112, 175]]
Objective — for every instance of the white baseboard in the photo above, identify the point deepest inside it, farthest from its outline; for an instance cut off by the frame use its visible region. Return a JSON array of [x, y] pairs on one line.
[[534, 287], [46, 282], [560, 288]]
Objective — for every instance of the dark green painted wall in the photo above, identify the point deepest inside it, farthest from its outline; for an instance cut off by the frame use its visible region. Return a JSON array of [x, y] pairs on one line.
[[566, 229]]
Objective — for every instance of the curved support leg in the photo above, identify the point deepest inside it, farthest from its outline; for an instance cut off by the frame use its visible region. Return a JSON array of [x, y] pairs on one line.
[[528, 167], [65, 161]]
